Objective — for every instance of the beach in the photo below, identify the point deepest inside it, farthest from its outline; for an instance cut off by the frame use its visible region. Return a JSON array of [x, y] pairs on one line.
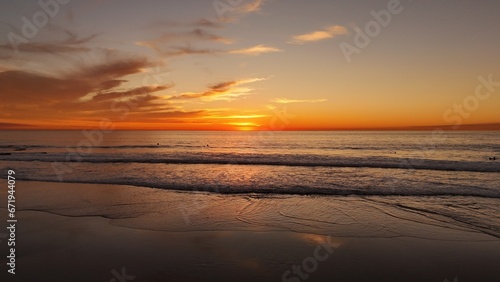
[[90, 232], [297, 206]]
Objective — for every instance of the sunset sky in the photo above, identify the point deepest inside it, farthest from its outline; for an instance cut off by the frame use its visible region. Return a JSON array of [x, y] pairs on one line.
[[248, 64]]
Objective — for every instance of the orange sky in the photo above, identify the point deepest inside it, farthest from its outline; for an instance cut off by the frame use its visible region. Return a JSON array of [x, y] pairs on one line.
[[258, 65]]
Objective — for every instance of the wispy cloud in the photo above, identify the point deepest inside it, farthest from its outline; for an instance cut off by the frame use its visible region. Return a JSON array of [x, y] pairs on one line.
[[204, 35], [69, 44], [256, 50], [252, 7], [196, 34], [227, 91], [201, 23], [113, 69], [207, 23], [326, 33], [232, 13], [45, 48], [129, 93], [181, 51], [167, 44], [291, 101]]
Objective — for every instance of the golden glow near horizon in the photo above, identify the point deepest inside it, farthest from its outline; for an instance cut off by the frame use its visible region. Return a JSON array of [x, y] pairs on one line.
[[257, 65]]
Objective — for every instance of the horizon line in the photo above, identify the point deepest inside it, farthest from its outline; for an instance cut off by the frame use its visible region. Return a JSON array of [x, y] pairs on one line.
[[465, 127]]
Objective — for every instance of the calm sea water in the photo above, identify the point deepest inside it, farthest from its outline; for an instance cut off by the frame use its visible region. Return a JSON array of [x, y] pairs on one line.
[[448, 177]]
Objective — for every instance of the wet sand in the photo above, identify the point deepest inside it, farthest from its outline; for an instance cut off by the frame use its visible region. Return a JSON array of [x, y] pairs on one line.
[[85, 232]]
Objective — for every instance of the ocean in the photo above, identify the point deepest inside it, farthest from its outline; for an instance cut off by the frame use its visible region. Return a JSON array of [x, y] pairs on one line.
[[440, 172]]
